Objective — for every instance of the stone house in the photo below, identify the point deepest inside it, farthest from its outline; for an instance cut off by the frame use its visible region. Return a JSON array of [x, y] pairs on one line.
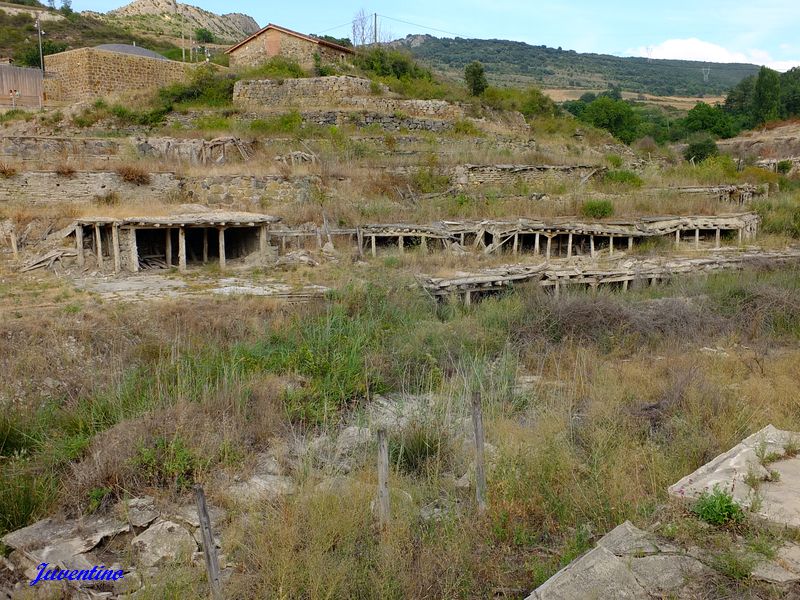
[[273, 40]]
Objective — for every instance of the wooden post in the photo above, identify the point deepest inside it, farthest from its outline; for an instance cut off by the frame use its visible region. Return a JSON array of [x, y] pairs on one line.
[[591, 246], [569, 245], [697, 239], [677, 237], [262, 241], [133, 250], [480, 472], [383, 478], [209, 547], [115, 247], [319, 240], [611, 245], [536, 244], [168, 247], [98, 245], [462, 238], [205, 245], [549, 244], [718, 236], [630, 242], [625, 285], [78, 244], [182, 249], [740, 236], [467, 297], [400, 242], [360, 236], [374, 246], [516, 244], [15, 249], [557, 289], [222, 247]]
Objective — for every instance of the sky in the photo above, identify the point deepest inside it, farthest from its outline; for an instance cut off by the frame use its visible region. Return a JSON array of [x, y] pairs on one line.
[[764, 32]]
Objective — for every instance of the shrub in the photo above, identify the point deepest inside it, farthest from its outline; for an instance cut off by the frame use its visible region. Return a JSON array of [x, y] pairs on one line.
[[623, 178], [475, 77], [701, 149], [7, 170], [419, 449], [168, 463], [391, 63], [65, 170], [133, 174], [784, 166], [290, 122], [207, 87], [464, 127], [107, 199], [615, 160], [597, 209], [718, 508]]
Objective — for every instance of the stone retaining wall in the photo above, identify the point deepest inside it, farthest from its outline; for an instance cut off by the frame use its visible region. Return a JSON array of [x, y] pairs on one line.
[[48, 187], [469, 175]]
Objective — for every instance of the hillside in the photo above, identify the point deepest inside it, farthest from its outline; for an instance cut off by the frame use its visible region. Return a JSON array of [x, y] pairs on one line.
[[518, 63], [169, 18], [18, 33]]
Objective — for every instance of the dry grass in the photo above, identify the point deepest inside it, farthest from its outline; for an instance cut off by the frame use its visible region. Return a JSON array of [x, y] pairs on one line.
[[134, 174]]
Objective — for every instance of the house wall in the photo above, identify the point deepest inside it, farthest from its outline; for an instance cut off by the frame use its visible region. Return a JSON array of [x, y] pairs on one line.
[[92, 73], [276, 43]]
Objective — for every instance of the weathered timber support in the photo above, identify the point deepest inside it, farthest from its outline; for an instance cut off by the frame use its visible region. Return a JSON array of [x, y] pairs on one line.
[[625, 285], [115, 248], [222, 247], [569, 246], [98, 245], [133, 251], [480, 467], [549, 244], [536, 244], [591, 246], [717, 237], [14, 248], [467, 297], [697, 238], [423, 242], [78, 244], [360, 237], [374, 247], [205, 245], [630, 243], [182, 249], [740, 235], [168, 246], [515, 249], [262, 242], [209, 547], [400, 243], [383, 479], [611, 245], [677, 237]]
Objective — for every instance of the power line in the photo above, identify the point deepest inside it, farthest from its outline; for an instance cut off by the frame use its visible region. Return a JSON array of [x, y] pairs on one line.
[[348, 24], [421, 26]]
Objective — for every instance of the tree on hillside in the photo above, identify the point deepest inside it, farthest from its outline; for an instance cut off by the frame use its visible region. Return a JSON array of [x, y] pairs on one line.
[[615, 116], [204, 36], [767, 96], [475, 77], [712, 119]]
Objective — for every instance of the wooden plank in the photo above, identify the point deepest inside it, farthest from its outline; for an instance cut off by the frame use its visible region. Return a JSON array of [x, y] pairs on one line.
[[209, 547], [78, 244], [480, 468], [383, 479]]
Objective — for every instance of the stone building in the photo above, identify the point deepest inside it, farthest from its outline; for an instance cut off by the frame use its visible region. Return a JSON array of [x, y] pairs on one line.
[[273, 41], [97, 72]]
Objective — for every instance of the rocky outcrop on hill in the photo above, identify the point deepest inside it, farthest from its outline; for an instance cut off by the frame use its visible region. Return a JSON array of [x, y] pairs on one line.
[[169, 17]]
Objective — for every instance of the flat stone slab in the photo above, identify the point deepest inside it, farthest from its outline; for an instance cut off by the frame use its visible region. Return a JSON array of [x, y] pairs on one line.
[[627, 564], [162, 542], [261, 488], [779, 501]]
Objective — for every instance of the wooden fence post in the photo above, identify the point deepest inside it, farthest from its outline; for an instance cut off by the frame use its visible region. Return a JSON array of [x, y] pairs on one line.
[[383, 478], [480, 472], [209, 548]]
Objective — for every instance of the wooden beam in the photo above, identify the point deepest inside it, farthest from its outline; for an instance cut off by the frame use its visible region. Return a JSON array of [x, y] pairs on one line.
[[549, 244], [718, 237], [78, 244], [677, 237], [168, 247], [222, 247], [383, 478], [374, 246], [182, 249], [569, 245], [360, 237], [516, 243], [400, 242], [536, 244], [98, 245], [115, 247], [591, 246], [611, 245]]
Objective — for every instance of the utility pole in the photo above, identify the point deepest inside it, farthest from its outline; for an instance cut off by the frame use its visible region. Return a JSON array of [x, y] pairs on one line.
[[39, 29], [375, 29]]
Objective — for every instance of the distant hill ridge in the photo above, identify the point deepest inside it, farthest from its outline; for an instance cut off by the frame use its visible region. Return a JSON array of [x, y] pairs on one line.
[[168, 17], [518, 63]]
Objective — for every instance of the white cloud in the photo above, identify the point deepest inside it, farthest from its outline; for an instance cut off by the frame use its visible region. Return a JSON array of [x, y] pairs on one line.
[[696, 49]]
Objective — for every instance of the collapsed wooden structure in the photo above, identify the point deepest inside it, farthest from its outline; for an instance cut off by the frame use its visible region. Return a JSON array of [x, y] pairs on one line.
[[738, 194], [469, 286], [136, 243]]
